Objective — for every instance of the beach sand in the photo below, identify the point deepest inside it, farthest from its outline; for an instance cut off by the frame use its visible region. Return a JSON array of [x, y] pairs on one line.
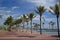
[[13, 35]]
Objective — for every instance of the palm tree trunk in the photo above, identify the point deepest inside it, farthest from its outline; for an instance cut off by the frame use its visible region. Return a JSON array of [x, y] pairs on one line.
[[43, 26], [9, 29], [27, 26], [59, 7], [49, 26], [52, 27], [31, 26], [16, 27], [58, 25], [40, 25], [23, 25]]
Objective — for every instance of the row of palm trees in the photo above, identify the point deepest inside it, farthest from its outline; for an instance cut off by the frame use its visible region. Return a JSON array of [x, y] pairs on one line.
[[51, 23], [40, 10], [56, 13], [25, 19]]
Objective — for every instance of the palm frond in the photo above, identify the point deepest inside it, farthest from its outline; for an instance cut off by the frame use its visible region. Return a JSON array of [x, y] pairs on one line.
[[40, 10]]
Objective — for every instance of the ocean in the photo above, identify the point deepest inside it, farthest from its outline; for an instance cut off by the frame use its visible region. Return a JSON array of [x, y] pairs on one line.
[[53, 32]]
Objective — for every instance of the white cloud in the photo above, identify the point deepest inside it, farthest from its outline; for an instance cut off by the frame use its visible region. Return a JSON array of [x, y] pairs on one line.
[[38, 18], [5, 16], [44, 18], [45, 3], [50, 19], [50, 10], [2, 8], [14, 7], [5, 12], [8, 11]]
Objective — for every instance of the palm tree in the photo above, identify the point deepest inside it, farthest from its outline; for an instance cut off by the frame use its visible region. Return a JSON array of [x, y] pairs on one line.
[[49, 25], [55, 10], [59, 7], [36, 26], [27, 20], [52, 24], [43, 25], [18, 21], [23, 19], [9, 22], [40, 10], [31, 16], [43, 21]]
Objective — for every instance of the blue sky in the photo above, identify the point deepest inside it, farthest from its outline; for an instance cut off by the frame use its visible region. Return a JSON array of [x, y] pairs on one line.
[[16, 8]]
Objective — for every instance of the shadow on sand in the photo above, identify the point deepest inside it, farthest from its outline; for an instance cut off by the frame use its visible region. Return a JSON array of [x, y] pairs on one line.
[[56, 36], [27, 36]]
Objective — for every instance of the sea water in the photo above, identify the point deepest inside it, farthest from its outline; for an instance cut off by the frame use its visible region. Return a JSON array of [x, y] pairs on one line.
[[53, 32]]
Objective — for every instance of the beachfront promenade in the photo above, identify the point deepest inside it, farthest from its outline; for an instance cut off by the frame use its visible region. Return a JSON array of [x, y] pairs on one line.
[[13, 35]]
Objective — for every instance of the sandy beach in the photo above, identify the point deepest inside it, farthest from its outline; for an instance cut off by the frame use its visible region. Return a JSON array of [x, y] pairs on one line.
[[13, 35]]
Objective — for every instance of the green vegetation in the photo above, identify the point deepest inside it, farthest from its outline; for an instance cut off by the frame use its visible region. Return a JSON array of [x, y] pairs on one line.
[[10, 22], [40, 10], [23, 18], [36, 26], [52, 24], [3, 28], [56, 12], [18, 21], [31, 16], [27, 21]]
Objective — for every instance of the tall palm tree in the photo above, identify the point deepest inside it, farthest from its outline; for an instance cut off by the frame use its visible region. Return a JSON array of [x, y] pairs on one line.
[[59, 7], [55, 10], [40, 10], [31, 16]]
